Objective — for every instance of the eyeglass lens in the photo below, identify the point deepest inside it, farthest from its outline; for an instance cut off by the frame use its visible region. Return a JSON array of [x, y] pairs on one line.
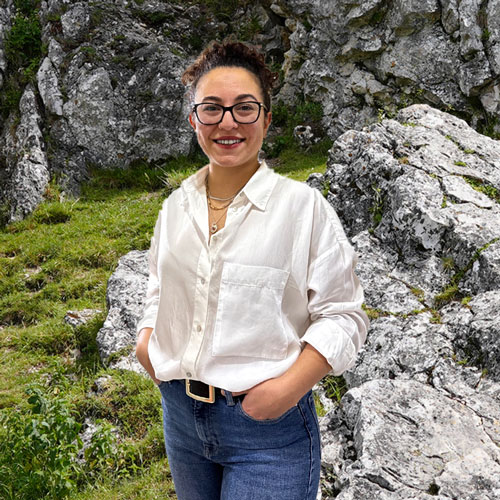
[[243, 112]]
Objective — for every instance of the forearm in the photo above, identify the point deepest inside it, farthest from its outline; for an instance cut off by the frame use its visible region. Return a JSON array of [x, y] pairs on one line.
[[141, 351], [309, 368]]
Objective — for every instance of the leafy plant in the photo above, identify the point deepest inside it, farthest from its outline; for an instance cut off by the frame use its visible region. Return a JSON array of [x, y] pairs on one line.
[[335, 387], [23, 50], [38, 450], [42, 454], [23, 43], [26, 7]]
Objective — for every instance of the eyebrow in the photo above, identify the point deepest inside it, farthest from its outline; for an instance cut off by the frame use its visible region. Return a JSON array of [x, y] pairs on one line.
[[238, 98]]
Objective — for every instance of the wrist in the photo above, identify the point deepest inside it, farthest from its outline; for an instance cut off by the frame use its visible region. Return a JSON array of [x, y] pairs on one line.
[[290, 388]]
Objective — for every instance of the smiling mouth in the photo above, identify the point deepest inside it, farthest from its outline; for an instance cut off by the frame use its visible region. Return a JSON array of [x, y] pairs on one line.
[[228, 142]]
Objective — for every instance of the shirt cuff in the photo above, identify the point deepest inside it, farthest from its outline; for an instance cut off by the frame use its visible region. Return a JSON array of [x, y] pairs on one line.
[[146, 322], [333, 343]]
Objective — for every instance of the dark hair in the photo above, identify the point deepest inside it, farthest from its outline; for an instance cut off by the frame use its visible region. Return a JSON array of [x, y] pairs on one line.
[[231, 53]]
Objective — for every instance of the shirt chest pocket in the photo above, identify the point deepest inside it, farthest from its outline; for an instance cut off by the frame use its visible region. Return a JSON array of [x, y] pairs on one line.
[[249, 319]]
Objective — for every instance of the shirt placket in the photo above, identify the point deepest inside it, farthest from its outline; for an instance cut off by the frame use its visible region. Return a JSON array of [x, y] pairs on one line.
[[209, 256], [199, 315]]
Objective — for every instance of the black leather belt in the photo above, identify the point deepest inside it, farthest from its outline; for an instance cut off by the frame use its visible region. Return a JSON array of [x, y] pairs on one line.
[[201, 391]]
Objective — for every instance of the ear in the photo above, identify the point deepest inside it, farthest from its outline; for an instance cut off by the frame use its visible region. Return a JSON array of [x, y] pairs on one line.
[[267, 122], [192, 121]]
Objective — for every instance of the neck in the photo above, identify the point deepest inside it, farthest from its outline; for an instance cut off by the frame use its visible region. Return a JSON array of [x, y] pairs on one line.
[[227, 181]]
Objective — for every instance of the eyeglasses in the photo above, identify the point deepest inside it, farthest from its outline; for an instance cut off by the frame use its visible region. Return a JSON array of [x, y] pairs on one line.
[[209, 113]]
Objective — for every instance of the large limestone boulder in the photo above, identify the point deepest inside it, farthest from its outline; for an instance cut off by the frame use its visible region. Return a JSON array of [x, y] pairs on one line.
[[419, 197], [24, 172], [361, 59], [125, 295]]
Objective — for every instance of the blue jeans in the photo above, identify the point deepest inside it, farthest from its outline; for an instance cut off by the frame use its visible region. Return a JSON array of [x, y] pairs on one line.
[[218, 452]]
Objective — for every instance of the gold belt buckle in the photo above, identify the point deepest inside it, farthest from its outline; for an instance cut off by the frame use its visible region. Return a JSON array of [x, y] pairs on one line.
[[209, 399]]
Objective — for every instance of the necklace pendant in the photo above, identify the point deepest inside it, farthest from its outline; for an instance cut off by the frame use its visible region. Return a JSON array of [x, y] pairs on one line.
[[213, 228]]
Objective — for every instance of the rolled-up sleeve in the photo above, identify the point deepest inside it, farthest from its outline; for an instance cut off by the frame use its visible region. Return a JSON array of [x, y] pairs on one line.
[[148, 319], [338, 326]]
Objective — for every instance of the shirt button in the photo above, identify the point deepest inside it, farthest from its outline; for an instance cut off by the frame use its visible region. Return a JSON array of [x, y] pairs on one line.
[[202, 281], [189, 374], [198, 328]]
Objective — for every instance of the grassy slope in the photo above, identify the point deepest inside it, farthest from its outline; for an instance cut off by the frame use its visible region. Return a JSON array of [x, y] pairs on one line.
[[59, 259]]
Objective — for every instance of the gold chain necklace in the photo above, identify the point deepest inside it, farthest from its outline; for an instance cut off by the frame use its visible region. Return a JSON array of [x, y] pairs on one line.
[[213, 226], [217, 208]]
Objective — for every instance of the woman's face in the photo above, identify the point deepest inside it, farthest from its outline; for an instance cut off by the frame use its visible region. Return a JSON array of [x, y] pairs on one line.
[[228, 86]]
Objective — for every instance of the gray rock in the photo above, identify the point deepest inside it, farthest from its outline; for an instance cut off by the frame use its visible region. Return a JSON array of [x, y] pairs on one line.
[[474, 75], [435, 52], [55, 53], [123, 100], [484, 273], [79, 318], [450, 16], [470, 32], [25, 159], [493, 34], [75, 22], [125, 297], [401, 348], [457, 189], [304, 136], [490, 99], [411, 440], [6, 11], [48, 86], [407, 193], [477, 340]]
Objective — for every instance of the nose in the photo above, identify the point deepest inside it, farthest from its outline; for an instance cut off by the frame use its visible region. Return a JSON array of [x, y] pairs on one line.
[[227, 121]]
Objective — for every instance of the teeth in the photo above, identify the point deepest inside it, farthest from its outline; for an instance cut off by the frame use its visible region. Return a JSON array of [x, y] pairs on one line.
[[228, 142]]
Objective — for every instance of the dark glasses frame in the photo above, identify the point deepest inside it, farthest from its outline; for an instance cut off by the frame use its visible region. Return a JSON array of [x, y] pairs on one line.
[[230, 109]]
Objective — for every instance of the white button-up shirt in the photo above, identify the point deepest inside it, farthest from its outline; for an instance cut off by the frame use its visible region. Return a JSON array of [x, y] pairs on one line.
[[236, 309]]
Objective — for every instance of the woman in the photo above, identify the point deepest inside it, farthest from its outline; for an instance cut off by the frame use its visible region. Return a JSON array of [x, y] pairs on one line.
[[251, 300]]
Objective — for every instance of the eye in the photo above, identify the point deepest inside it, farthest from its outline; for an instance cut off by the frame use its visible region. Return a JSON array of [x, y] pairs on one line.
[[246, 107], [210, 108]]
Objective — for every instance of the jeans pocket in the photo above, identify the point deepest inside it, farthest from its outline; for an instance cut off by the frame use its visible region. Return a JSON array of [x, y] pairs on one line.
[[245, 415], [163, 385]]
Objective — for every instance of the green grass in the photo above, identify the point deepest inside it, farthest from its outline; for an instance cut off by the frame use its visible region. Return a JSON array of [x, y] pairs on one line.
[[153, 484], [59, 259], [487, 189], [299, 165]]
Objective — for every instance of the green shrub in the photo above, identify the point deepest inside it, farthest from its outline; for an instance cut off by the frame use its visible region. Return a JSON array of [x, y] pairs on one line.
[[23, 51], [26, 7], [23, 44], [43, 456], [38, 450]]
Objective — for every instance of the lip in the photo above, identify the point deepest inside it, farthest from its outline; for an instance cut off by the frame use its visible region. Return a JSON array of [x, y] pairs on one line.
[[229, 138]]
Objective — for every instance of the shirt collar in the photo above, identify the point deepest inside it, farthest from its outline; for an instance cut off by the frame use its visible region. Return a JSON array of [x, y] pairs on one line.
[[258, 189]]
